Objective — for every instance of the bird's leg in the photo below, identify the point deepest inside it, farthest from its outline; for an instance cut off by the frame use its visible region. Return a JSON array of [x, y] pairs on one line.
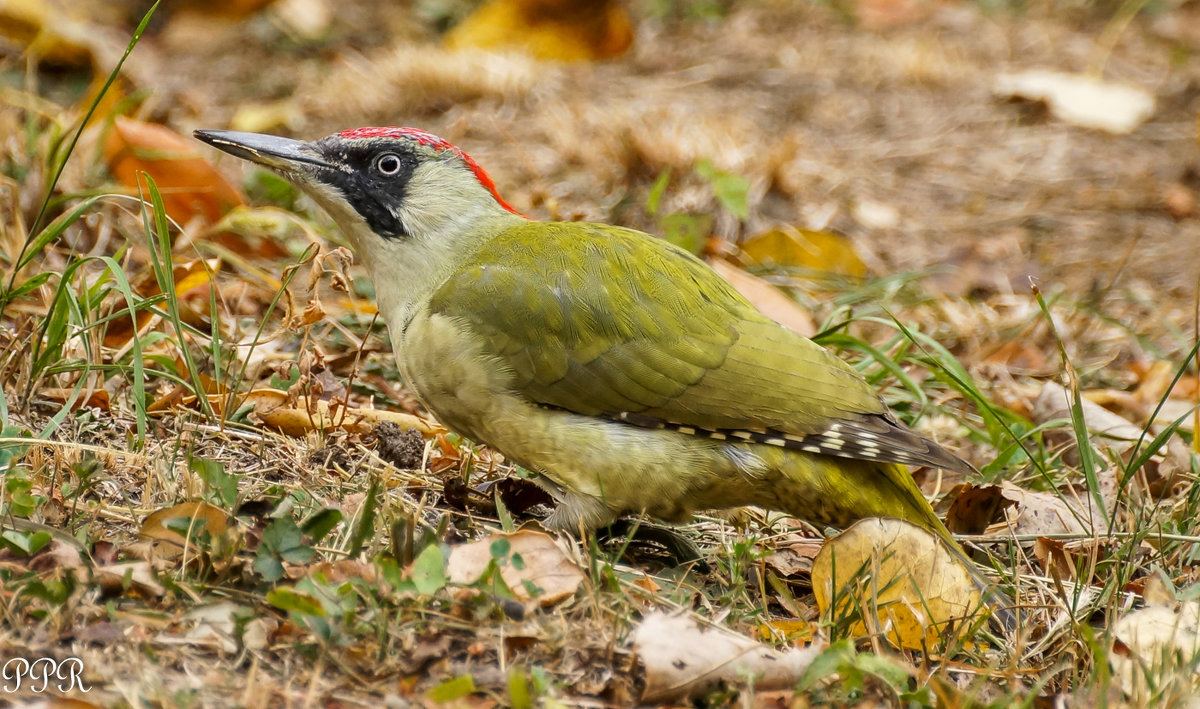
[[574, 512]]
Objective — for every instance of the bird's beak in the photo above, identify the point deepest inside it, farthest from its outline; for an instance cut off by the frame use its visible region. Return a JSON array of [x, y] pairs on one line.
[[270, 150]]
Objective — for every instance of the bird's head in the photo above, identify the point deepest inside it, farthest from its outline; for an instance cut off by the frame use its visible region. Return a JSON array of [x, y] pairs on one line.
[[406, 199]]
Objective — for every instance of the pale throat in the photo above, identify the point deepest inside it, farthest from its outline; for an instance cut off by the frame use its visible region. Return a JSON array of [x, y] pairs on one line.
[[407, 270]]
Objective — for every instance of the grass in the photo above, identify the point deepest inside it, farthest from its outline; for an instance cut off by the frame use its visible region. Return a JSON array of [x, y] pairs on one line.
[[313, 568]]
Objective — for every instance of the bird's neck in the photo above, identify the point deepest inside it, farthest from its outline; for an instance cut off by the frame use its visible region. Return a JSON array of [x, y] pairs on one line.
[[406, 271]]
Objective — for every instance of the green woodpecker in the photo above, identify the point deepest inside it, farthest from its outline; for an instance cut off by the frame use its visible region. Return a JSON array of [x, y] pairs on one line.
[[623, 370]]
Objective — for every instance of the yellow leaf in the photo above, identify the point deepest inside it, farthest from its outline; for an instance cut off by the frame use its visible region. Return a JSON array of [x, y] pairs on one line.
[[563, 30], [898, 577], [58, 33], [803, 248], [263, 117]]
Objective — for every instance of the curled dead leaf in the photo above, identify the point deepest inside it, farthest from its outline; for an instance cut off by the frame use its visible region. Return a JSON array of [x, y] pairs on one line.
[[1033, 512], [975, 507], [138, 576], [300, 416]]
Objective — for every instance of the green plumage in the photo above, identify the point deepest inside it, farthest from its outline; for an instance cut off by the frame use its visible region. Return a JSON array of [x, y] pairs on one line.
[[597, 320], [604, 321]]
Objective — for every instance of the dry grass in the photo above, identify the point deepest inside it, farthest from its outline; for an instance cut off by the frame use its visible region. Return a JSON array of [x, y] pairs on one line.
[[833, 125]]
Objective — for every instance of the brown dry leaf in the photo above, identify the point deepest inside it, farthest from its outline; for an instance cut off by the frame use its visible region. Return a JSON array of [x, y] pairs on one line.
[[562, 30], [804, 248], [542, 564], [773, 302], [190, 185], [277, 410], [1032, 512], [974, 508], [96, 398], [192, 281], [211, 627], [1066, 556], [916, 588], [1055, 560], [1157, 590], [795, 558], [196, 517], [683, 658]]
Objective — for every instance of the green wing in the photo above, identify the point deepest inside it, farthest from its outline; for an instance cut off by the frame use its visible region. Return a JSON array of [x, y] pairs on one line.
[[669, 339], [668, 342]]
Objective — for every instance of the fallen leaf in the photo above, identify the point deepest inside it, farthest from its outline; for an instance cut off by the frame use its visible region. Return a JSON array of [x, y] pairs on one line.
[[96, 398], [683, 658], [1158, 648], [210, 627], [196, 517], [60, 32], [264, 117], [787, 629], [915, 589], [189, 184], [1068, 556], [1019, 357], [112, 579], [1033, 512], [975, 507], [277, 410], [1082, 100], [773, 302], [542, 564], [794, 559], [562, 30], [804, 248]]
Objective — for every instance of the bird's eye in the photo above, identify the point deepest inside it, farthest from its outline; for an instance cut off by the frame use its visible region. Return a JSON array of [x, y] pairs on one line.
[[388, 164]]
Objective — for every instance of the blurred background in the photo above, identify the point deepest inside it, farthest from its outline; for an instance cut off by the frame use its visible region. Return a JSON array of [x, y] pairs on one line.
[[1001, 140]]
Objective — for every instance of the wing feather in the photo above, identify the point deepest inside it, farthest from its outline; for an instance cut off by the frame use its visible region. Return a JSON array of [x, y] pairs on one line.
[[646, 351]]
